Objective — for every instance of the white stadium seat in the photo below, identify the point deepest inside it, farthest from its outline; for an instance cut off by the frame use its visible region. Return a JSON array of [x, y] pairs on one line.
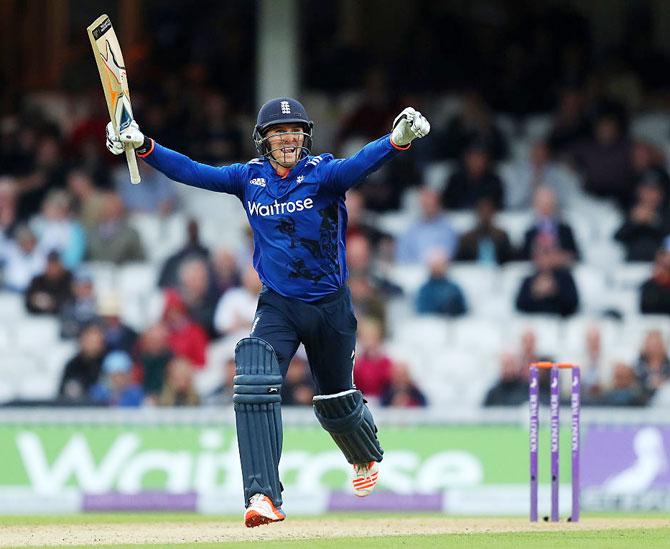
[[35, 332], [547, 329], [137, 279], [478, 334], [425, 331], [436, 174], [591, 288], [11, 306], [631, 275], [6, 337], [7, 391], [408, 277], [36, 387], [515, 224]]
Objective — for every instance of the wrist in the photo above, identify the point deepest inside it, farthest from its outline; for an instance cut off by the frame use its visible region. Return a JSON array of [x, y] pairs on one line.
[[146, 148], [399, 147]]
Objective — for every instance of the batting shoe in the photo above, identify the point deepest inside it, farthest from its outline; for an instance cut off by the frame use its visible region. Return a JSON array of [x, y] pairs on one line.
[[261, 511], [365, 478]]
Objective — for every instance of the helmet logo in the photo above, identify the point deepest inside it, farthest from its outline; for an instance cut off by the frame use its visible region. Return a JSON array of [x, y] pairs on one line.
[[285, 107]]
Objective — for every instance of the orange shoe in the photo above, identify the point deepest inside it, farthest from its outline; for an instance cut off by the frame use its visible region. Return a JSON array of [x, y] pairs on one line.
[[261, 510], [365, 478]]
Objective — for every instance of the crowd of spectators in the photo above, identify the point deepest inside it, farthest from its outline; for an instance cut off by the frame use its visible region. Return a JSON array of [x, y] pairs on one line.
[[64, 203], [631, 383]]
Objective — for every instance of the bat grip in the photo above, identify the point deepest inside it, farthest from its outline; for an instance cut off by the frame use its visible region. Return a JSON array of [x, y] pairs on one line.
[[132, 165]]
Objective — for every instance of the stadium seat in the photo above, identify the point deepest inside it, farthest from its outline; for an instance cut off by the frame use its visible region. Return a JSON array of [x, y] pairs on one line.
[[408, 277], [425, 331], [36, 331], [7, 391], [573, 332], [547, 330], [104, 275], [652, 126], [51, 361], [583, 228], [160, 236], [36, 387], [538, 126], [512, 275], [478, 334], [591, 288], [515, 223], [11, 306], [398, 311], [137, 279], [508, 126], [461, 221], [444, 107], [450, 373], [16, 365], [394, 223], [155, 304], [436, 174], [606, 255], [661, 398], [5, 337], [477, 282], [625, 301], [636, 327], [630, 275]]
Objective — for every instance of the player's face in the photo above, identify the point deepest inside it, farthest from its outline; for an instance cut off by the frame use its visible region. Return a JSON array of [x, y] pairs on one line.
[[285, 142]]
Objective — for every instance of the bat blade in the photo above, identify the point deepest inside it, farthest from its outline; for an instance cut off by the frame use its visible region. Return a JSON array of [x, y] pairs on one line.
[[112, 70]]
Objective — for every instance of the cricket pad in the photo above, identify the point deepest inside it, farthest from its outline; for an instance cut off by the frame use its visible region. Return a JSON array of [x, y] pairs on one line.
[[257, 404], [349, 421]]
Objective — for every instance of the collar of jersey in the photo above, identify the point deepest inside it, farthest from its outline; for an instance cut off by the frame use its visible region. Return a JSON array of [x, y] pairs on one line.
[[279, 186]]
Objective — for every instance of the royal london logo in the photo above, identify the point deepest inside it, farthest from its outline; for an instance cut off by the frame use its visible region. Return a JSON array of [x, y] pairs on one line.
[[278, 208], [258, 181]]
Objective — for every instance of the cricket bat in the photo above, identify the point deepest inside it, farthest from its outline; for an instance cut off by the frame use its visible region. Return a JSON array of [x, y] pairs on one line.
[[112, 71]]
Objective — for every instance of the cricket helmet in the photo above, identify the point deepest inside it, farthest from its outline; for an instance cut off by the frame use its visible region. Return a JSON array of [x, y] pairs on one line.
[[282, 110]]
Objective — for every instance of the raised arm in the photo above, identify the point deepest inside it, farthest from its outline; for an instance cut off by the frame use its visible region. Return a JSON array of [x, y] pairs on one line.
[[408, 125], [176, 166]]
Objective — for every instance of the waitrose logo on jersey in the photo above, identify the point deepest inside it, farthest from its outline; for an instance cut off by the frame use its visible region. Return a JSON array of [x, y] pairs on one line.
[[278, 208]]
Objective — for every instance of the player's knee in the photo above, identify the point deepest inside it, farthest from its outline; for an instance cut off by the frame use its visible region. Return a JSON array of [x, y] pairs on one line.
[[258, 378], [349, 421]]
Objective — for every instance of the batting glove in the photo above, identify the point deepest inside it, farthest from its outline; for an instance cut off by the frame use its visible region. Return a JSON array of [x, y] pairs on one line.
[[116, 143], [409, 125]]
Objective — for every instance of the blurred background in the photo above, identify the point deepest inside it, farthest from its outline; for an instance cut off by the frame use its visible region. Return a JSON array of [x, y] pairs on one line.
[[532, 223]]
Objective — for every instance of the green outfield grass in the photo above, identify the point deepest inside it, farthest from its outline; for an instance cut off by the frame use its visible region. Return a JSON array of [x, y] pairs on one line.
[[617, 539], [650, 536]]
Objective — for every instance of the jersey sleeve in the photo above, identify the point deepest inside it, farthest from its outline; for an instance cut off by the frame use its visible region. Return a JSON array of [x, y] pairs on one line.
[[179, 167], [343, 173]]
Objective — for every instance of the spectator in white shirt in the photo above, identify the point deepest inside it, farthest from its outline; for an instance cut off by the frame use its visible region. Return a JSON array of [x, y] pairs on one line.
[[23, 260], [236, 309]]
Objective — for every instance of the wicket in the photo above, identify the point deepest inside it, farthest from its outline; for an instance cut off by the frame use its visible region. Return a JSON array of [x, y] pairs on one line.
[[554, 407]]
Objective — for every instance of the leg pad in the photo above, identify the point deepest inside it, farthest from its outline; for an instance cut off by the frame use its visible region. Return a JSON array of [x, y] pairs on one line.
[[257, 404], [349, 421]]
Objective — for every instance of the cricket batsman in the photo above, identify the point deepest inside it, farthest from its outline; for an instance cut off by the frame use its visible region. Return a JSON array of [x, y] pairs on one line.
[[294, 202]]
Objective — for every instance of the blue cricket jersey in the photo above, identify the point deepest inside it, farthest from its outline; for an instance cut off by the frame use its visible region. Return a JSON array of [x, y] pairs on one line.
[[298, 222]]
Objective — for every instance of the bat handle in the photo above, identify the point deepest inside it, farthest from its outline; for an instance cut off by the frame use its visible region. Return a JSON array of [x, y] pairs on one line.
[[132, 165]]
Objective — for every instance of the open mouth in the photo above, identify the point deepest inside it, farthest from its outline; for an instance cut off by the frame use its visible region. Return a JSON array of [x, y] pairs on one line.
[[288, 150]]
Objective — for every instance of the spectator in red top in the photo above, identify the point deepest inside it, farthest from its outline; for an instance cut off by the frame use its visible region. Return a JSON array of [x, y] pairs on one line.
[[187, 339], [372, 370]]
